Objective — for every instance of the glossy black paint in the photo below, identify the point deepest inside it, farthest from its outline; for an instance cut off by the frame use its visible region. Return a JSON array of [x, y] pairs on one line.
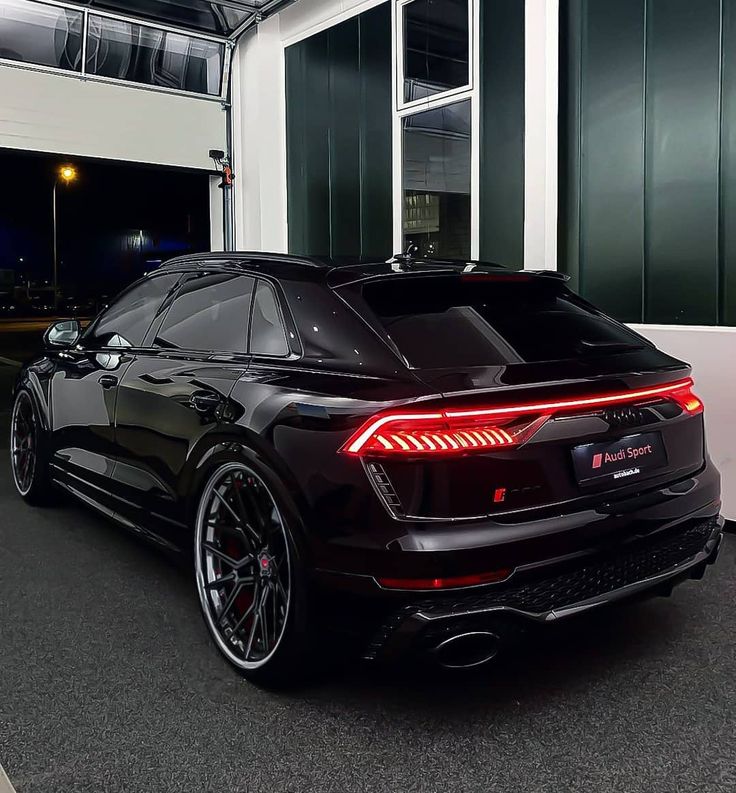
[[134, 431]]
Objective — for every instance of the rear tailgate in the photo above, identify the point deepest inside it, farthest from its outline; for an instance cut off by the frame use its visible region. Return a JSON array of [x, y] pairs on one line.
[[520, 341]]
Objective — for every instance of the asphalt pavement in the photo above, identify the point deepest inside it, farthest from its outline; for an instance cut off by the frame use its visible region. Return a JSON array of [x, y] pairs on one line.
[[109, 682]]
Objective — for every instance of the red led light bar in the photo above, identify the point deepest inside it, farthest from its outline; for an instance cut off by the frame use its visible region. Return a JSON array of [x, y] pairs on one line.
[[472, 430], [679, 391], [491, 577]]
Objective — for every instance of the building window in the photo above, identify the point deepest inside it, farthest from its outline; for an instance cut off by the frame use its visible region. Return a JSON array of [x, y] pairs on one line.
[[138, 53], [436, 162], [114, 48], [42, 35], [436, 47]]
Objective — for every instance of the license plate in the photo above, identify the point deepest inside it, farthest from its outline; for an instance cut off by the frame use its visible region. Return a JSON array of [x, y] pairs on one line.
[[622, 461]]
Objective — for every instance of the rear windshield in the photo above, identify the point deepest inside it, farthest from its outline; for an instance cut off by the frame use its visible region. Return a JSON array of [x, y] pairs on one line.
[[449, 321]]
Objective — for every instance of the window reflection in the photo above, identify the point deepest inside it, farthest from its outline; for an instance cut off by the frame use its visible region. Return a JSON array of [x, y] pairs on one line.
[[204, 15], [41, 34], [436, 181], [436, 47], [143, 54]]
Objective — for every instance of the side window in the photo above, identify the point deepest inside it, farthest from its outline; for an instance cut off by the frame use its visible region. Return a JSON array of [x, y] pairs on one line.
[[125, 323], [267, 334], [209, 312]]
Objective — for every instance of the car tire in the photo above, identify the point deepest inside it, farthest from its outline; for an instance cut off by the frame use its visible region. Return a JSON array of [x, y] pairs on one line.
[[29, 457], [256, 611]]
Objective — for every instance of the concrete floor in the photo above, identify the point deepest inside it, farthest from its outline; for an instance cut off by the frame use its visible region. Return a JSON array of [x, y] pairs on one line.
[[109, 682]]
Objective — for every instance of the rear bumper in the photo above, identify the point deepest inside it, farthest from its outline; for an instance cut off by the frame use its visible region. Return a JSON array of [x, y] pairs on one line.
[[352, 560], [649, 566]]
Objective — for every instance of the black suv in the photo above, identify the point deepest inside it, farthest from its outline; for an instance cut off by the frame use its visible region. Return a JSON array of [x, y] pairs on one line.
[[424, 455]]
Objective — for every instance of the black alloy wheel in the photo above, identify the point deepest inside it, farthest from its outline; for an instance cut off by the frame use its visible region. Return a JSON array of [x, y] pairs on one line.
[[28, 458], [244, 570], [23, 441]]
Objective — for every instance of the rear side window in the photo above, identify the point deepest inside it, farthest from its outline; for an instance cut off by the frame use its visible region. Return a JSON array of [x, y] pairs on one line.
[[209, 313], [267, 333], [125, 323], [451, 321]]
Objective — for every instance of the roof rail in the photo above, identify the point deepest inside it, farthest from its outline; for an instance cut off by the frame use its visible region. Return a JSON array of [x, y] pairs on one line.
[[235, 256]]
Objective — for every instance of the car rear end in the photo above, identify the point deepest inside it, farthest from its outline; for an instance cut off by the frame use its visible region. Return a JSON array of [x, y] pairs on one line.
[[554, 462]]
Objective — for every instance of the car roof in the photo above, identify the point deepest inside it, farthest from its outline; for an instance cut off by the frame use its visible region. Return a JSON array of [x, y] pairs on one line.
[[336, 271]]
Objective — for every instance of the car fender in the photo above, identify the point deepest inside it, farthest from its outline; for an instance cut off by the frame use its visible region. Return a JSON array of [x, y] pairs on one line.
[[234, 441], [36, 379]]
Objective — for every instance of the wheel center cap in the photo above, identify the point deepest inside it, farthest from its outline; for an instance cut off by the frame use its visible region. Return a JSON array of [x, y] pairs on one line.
[[265, 565]]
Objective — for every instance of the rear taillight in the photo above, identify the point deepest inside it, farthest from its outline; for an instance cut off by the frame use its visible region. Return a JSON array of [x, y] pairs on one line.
[[480, 430], [437, 433], [688, 400]]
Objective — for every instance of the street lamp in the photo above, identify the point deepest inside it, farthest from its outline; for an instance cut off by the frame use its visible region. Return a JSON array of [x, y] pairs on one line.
[[67, 174]]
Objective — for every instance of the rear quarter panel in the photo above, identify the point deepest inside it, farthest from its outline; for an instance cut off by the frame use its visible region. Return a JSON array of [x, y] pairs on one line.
[[298, 418]]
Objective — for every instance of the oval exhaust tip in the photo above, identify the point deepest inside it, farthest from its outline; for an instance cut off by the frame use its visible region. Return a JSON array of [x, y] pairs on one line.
[[465, 650]]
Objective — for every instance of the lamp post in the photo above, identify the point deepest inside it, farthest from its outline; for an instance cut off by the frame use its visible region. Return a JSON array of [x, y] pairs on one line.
[[67, 174]]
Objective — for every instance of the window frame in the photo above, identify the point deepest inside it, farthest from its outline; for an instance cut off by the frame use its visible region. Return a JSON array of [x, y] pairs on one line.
[[401, 103], [402, 109], [454, 100]]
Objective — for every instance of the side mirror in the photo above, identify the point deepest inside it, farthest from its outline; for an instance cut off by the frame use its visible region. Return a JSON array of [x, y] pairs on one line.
[[63, 334]]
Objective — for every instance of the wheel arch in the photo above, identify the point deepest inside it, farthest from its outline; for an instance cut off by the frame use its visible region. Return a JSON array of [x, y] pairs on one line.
[[40, 391], [236, 442]]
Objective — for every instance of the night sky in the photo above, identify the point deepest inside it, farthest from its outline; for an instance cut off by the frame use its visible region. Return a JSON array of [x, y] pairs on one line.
[[115, 220]]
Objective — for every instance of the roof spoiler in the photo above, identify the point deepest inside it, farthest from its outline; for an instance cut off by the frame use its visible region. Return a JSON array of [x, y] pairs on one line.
[[403, 262]]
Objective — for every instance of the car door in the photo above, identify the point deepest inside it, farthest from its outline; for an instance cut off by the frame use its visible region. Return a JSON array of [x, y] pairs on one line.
[[172, 395], [84, 386]]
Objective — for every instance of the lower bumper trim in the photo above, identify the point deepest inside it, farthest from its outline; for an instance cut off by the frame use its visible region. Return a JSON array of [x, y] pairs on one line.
[[667, 562]]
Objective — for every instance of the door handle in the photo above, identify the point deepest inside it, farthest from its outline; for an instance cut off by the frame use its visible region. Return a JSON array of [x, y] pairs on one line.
[[205, 401], [108, 381]]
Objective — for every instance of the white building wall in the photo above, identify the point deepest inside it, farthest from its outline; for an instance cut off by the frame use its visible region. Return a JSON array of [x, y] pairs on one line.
[[541, 34], [217, 227], [259, 139], [711, 352]]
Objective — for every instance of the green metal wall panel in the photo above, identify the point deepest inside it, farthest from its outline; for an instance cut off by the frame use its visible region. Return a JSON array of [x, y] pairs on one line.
[[648, 157], [727, 237], [376, 215], [568, 238], [681, 268], [612, 172], [343, 43], [502, 132], [338, 134]]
